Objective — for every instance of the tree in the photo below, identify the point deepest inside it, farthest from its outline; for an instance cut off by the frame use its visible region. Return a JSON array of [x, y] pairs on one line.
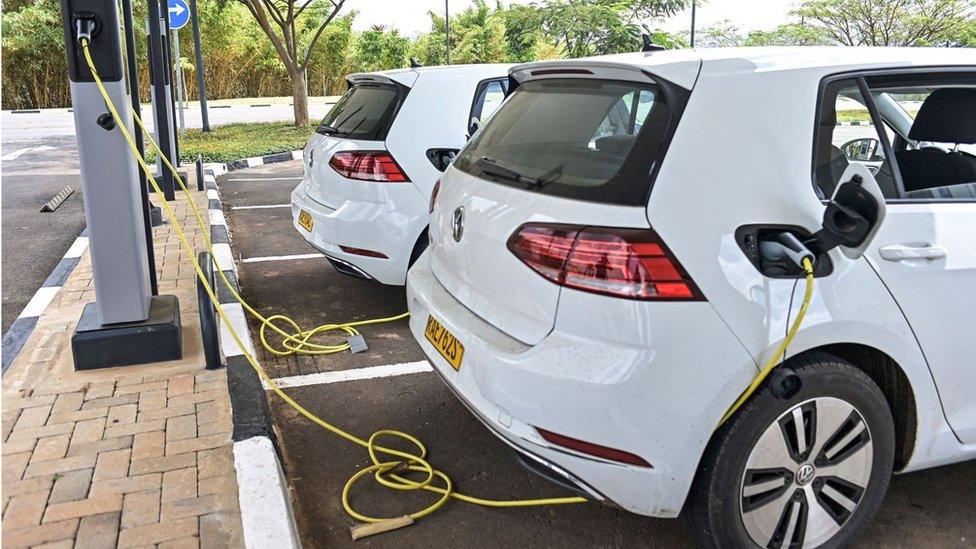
[[791, 34], [890, 22], [720, 35], [379, 49], [294, 38]]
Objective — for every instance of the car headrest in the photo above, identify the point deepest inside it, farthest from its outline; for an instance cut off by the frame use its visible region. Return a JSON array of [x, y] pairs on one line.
[[616, 144], [948, 115]]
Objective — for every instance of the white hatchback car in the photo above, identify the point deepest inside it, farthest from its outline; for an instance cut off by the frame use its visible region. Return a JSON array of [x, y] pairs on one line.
[[596, 290], [372, 162]]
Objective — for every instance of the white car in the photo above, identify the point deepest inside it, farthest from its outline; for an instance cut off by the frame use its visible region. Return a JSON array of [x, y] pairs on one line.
[[598, 290], [372, 162]]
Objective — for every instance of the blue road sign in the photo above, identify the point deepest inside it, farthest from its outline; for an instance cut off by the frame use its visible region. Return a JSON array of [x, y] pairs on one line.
[[179, 13]]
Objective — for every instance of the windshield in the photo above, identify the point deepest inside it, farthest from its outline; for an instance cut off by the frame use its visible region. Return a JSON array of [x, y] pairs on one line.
[[578, 138], [364, 112]]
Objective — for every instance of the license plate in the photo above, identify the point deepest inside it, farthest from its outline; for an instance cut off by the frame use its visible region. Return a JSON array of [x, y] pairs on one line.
[[305, 220], [444, 341]]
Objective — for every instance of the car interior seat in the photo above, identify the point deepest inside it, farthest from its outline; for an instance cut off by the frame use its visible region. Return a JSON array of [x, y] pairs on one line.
[[948, 115]]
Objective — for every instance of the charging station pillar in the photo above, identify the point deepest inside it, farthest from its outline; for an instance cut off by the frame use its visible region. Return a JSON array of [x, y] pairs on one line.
[[159, 81], [126, 324]]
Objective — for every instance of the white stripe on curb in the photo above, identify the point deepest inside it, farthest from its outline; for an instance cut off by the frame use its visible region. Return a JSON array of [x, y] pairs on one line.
[[281, 258], [224, 257], [216, 217], [77, 248], [372, 372], [235, 313], [39, 302], [255, 161], [212, 195], [263, 495], [296, 155]]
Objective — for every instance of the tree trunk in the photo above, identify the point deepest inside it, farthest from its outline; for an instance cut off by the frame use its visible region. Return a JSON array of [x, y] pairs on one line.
[[299, 93]]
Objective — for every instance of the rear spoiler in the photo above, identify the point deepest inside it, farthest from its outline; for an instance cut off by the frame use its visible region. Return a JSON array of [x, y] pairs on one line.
[[399, 78], [682, 73]]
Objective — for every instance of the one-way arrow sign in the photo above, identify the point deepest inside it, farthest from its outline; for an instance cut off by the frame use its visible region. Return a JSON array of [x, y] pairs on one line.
[[179, 13]]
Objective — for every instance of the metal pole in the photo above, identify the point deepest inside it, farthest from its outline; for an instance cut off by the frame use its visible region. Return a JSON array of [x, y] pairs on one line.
[[693, 22], [158, 78], [175, 159], [447, 31], [201, 85], [179, 77], [133, 69]]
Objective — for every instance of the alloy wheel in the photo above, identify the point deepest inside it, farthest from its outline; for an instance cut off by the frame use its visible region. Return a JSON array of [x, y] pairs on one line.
[[806, 474]]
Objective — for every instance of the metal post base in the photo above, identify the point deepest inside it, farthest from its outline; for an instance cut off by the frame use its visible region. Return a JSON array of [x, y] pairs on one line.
[[156, 339]]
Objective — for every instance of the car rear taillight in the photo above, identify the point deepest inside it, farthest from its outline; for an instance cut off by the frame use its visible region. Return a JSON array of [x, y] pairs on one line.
[[363, 252], [589, 448], [628, 263], [433, 196], [368, 166]]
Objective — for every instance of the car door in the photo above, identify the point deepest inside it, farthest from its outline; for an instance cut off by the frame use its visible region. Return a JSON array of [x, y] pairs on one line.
[[925, 252]]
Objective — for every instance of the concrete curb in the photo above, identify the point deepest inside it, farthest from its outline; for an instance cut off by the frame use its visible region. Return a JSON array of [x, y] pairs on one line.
[[23, 326], [265, 500]]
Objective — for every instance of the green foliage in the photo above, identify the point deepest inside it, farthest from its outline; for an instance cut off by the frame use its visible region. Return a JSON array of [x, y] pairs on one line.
[[35, 66], [892, 22], [235, 141], [379, 48], [790, 35]]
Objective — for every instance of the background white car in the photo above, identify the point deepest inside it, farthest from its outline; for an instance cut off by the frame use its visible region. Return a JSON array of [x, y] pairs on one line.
[[373, 161], [594, 290]]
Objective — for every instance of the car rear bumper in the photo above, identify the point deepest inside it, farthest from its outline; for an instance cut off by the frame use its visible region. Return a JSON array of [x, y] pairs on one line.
[[514, 388], [390, 226]]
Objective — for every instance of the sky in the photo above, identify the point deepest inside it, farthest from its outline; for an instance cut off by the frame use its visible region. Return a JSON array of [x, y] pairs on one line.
[[410, 16]]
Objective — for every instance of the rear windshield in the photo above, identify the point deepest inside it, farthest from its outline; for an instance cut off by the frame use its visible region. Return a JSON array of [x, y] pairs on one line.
[[364, 112], [592, 140]]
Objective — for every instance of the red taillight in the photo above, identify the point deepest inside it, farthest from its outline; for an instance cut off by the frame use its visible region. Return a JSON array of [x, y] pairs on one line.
[[593, 449], [363, 252], [433, 196], [629, 263], [368, 166]]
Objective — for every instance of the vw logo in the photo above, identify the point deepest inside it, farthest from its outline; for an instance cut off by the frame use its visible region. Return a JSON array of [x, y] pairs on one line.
[[457, 224], [805, 474]]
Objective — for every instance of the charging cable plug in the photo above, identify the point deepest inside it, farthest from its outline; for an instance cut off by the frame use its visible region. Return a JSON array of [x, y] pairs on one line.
[[786, 245], [85, 27]]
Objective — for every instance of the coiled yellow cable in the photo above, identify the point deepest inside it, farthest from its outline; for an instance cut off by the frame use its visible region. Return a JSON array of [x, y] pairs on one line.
[[386, 472]]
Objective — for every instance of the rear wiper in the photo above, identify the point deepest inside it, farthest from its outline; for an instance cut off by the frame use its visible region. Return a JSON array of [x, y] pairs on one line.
[[326, 129], [540, 182], [492, 167]]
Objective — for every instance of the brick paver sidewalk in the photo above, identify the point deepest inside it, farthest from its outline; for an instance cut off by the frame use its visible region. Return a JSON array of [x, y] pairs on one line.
[[132, 456]]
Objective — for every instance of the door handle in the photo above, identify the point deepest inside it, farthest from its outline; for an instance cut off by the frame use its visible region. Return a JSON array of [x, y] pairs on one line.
[[899, 252]]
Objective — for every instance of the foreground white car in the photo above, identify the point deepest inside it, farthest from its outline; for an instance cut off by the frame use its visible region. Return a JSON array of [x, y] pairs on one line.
[[595, 293], [370, 166]]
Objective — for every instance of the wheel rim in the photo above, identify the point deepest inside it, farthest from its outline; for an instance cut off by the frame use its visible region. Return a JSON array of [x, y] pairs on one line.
[[806, 474]]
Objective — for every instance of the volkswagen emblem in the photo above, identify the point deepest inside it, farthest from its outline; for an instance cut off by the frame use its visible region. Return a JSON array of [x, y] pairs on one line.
[[457, 224], [805, 474]]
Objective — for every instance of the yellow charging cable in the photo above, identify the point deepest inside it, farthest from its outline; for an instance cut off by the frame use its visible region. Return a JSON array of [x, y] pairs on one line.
[[386, 473], [781, 350]]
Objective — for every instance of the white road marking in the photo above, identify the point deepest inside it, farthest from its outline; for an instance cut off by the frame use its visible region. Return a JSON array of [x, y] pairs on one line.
[[281, 258], [77, 247], [297, 178], [39, 301], [372, 372], [265, 207]]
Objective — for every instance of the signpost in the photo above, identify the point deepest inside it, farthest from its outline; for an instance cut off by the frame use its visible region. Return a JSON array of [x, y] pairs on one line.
[[179, 16]]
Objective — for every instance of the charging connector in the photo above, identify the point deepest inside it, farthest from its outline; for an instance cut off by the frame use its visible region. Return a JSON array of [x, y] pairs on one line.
[[786, 246]]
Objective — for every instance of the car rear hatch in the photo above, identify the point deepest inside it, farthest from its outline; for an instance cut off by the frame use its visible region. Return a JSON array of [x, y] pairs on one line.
[[569, 149], [356, 127]]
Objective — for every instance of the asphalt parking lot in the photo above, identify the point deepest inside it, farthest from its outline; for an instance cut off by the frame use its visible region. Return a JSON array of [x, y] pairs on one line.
[[280, 273]]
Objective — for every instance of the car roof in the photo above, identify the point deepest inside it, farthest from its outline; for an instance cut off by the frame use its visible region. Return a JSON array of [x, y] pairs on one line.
[[768, 59], [408, 76]]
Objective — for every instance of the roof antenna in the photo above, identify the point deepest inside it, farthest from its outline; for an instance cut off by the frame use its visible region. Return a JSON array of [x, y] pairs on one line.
[[650, 46], [414, 63]]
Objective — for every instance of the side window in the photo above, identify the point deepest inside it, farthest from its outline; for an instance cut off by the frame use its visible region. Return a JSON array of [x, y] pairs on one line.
[[935, 152], [846, 134], [488, 98]]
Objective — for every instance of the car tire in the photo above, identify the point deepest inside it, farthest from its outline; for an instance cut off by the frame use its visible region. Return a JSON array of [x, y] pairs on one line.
[[759, 481]]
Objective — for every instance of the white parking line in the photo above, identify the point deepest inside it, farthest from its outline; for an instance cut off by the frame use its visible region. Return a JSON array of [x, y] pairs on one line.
[[296, 178], [281, 258], [372, 372], [265, 207]]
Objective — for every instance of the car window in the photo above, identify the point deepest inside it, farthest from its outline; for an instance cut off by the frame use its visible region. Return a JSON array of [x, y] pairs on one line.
[[846, 134], [364, 112], [489, 97], [936, 159], [573, 138]]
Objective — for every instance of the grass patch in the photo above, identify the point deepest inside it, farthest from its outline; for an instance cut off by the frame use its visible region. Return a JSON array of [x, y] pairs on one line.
[[861, 115], [235, 141]]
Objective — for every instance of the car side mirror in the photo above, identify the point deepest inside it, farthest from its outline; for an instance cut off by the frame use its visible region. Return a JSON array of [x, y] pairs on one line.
[[473, 126], [865, 149], [854, 213]]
